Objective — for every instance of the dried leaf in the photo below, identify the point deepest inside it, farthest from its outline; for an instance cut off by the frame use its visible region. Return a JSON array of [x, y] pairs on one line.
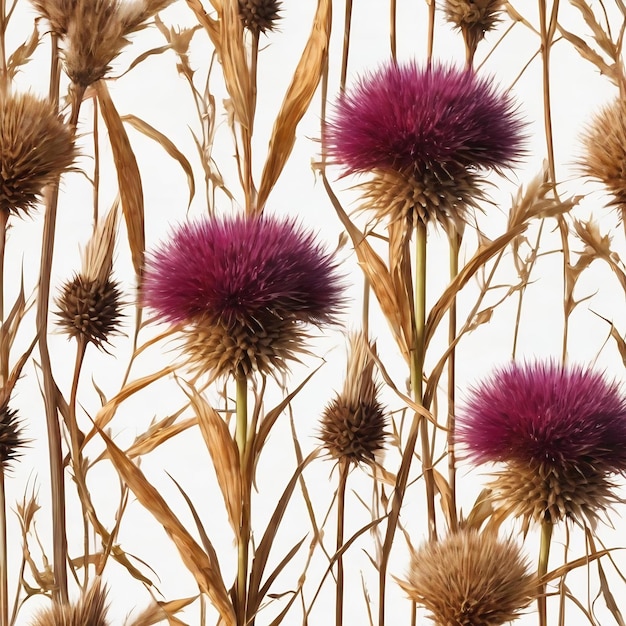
[[297, 100], [128, 176], [22, 54]]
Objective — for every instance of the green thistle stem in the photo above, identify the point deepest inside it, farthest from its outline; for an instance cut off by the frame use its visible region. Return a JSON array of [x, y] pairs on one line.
[[542, 569], [241, 437]]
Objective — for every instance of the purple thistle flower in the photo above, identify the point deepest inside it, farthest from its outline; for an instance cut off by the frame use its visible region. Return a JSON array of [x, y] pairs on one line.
[[433, 127], [244, 286], [560, 430]]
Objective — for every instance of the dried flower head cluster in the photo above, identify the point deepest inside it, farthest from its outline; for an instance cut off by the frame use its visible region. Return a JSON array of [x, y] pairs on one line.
[[90, 610], [424, 134], [244, 288], [353, 424], [604, 144], [259, 16], [559, 430], [94, 32], [470, 579], [36, 147], [473, 18], [11, 437], [89, 307]]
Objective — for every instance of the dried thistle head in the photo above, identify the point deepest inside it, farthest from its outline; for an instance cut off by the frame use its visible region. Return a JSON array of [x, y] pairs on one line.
[[90, 610], [604, 146], [12, 439], [432, 129], [560, 432], [94, 32], [36, 147], [473, 18], [89, 305], [259, 16], [353, 424], [470, 579], [244, 289]]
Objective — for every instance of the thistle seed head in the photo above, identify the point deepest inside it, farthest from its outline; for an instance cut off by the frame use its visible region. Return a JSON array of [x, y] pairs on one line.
[[36, 147], [259, 16], [12, 440]]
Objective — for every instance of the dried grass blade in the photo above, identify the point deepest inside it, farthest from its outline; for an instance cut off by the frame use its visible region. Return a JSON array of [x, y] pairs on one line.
[[223, 451], [376, 271], [206, 572], [280, 567], [107, 412], [297, 100], [261, 555], [169, 147], [159, 434], [22, 54], [155, 613], [128, 176], [589, 54]]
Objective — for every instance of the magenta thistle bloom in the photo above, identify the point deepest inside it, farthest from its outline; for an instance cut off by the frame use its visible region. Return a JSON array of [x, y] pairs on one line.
[[244, 287], [427, 130], [561, 432]]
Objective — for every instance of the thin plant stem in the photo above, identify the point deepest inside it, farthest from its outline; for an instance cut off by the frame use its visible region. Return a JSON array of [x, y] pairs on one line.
[[542, 569], [393, 23], [4, 219], [455, 242], [344, 467], [4, 561], [432, 10], [346, 45], [241, 438], [249, 188]]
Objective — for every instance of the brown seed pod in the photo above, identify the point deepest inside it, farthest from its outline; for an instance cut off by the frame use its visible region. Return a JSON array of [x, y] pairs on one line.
[[259, 16]]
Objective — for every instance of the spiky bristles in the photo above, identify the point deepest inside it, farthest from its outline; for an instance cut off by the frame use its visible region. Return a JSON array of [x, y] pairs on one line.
[[93, 32], [604, 145], [353, 424], [12, 439], [89, 310], [431, 195], [266, 346], [243, 289], [473, 18], [560, 432], [470, 579], [36, 147], [259, 16], [90, 610], [542, 492], [435, 130]]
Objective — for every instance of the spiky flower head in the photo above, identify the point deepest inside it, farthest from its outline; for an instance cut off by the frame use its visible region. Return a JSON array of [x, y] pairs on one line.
[[36, 147], [94, 32], [604, 150], [90, 304], [426, 135], [12, 439], [259, 16], [470, 579], [353, 424], [560, 432], [89, 610], [473, 18], [244, 288]]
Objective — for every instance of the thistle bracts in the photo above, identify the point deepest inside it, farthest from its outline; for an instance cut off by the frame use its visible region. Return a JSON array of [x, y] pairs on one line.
[[259, 16], [12, 440], [89, 306], [559, 431], [470, 579], [243, 289], [353, 424], [36, 147], [430, 132]]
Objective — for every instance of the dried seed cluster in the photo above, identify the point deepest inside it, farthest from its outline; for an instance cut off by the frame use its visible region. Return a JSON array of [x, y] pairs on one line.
[[259, 16]]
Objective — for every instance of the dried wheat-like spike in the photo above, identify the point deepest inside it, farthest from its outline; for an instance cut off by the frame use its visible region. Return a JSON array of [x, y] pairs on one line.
[[90, 610], [36, 147], [259, 15], [353, 424], [470, 579], [95, 31]]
